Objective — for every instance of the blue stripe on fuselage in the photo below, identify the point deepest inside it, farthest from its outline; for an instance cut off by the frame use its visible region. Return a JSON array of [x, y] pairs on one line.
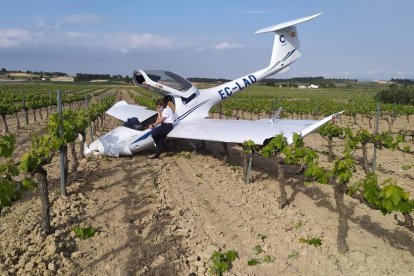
[[143, 137], [191, 110]]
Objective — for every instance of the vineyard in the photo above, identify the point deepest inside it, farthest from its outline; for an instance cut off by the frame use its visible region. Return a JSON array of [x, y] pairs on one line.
[[339, 201]]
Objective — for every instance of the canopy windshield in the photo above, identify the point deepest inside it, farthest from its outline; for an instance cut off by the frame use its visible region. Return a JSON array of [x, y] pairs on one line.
[[169, 79]]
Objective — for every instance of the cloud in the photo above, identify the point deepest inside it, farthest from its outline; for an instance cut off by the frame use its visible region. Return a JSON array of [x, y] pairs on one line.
[[41, 23], [404, 73], [124, 42], [143, 41], [13, 37], [227, 45], [79, 18]]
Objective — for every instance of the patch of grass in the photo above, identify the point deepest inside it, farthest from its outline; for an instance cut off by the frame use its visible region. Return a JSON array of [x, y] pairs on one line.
[[84, 232], [222, 262], [297, 225], [405, 167], [312, 241], [268, 259], [199, 175], [185, 154], [265, 259], [258, 249], [293, 255], [253, 262]]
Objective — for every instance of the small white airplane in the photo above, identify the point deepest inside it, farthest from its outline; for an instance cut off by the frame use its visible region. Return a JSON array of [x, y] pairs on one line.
[[192, 106]]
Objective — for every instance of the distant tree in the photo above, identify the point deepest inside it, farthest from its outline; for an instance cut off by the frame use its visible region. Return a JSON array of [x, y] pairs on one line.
[[404, 82], [3, 71], [396, 94]]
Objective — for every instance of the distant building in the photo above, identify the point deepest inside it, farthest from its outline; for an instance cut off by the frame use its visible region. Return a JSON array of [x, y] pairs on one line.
[[98, 81], [312, 86], [382, 81]]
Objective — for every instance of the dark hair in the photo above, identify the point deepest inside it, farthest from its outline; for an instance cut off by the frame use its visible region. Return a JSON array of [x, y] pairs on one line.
[[165, 101], [160, 102]]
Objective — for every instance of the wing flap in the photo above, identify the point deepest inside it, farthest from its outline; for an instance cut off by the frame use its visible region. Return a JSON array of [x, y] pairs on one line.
[[123, 111]]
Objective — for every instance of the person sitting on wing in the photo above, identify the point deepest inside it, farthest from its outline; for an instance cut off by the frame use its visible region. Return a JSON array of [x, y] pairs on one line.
[[165, 120]]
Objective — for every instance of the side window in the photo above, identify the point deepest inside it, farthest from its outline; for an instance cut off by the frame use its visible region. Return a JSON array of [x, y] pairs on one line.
[[187, 100]]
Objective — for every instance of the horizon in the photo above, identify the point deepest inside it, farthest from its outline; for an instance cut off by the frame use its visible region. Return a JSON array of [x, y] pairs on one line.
[[351, 40], [275, 77]]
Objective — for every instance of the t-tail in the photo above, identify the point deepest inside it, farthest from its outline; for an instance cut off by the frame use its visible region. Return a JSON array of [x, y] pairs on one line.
[[286, 45], [286, 50]]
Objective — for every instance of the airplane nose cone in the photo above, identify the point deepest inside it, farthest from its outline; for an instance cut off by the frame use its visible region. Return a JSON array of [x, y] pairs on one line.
[[87, 151]]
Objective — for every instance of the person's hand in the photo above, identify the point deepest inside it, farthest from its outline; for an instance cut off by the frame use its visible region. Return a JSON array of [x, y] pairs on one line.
[[150, 126], [158, 108]]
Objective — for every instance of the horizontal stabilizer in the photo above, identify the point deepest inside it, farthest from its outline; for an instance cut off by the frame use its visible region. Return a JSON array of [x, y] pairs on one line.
[[287, 24]]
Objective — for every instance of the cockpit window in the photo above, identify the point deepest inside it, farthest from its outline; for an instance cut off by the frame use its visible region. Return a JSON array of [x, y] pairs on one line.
[[154, 78], [169, 79], [187, 100]]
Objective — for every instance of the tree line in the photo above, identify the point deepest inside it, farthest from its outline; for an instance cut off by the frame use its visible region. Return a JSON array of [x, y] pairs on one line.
[[403, 81], [80, 77], [4, 71]]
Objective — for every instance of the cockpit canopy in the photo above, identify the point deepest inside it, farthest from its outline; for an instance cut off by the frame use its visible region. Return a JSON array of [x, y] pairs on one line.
[[163, 82]]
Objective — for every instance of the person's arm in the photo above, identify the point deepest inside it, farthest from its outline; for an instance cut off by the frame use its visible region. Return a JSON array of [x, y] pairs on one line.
[[160, 119]]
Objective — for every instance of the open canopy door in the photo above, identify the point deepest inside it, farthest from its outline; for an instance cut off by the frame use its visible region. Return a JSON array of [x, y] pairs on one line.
[[164, 82]]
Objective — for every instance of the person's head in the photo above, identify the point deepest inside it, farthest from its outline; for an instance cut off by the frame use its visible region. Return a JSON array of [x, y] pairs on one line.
[[160, 104], [165, 101]]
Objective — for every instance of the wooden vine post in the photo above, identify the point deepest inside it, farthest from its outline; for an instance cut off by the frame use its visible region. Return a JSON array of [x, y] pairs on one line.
[[248, 149], [62, 148]]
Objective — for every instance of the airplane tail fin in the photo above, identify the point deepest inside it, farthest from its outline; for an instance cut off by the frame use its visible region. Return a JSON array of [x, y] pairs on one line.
[[286, 46]]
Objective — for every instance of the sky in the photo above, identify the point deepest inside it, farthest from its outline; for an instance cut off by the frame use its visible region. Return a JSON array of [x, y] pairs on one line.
[[363, 39]]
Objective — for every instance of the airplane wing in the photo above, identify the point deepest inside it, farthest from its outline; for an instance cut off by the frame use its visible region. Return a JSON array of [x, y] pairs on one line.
[[238, 131], [122, 111]]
